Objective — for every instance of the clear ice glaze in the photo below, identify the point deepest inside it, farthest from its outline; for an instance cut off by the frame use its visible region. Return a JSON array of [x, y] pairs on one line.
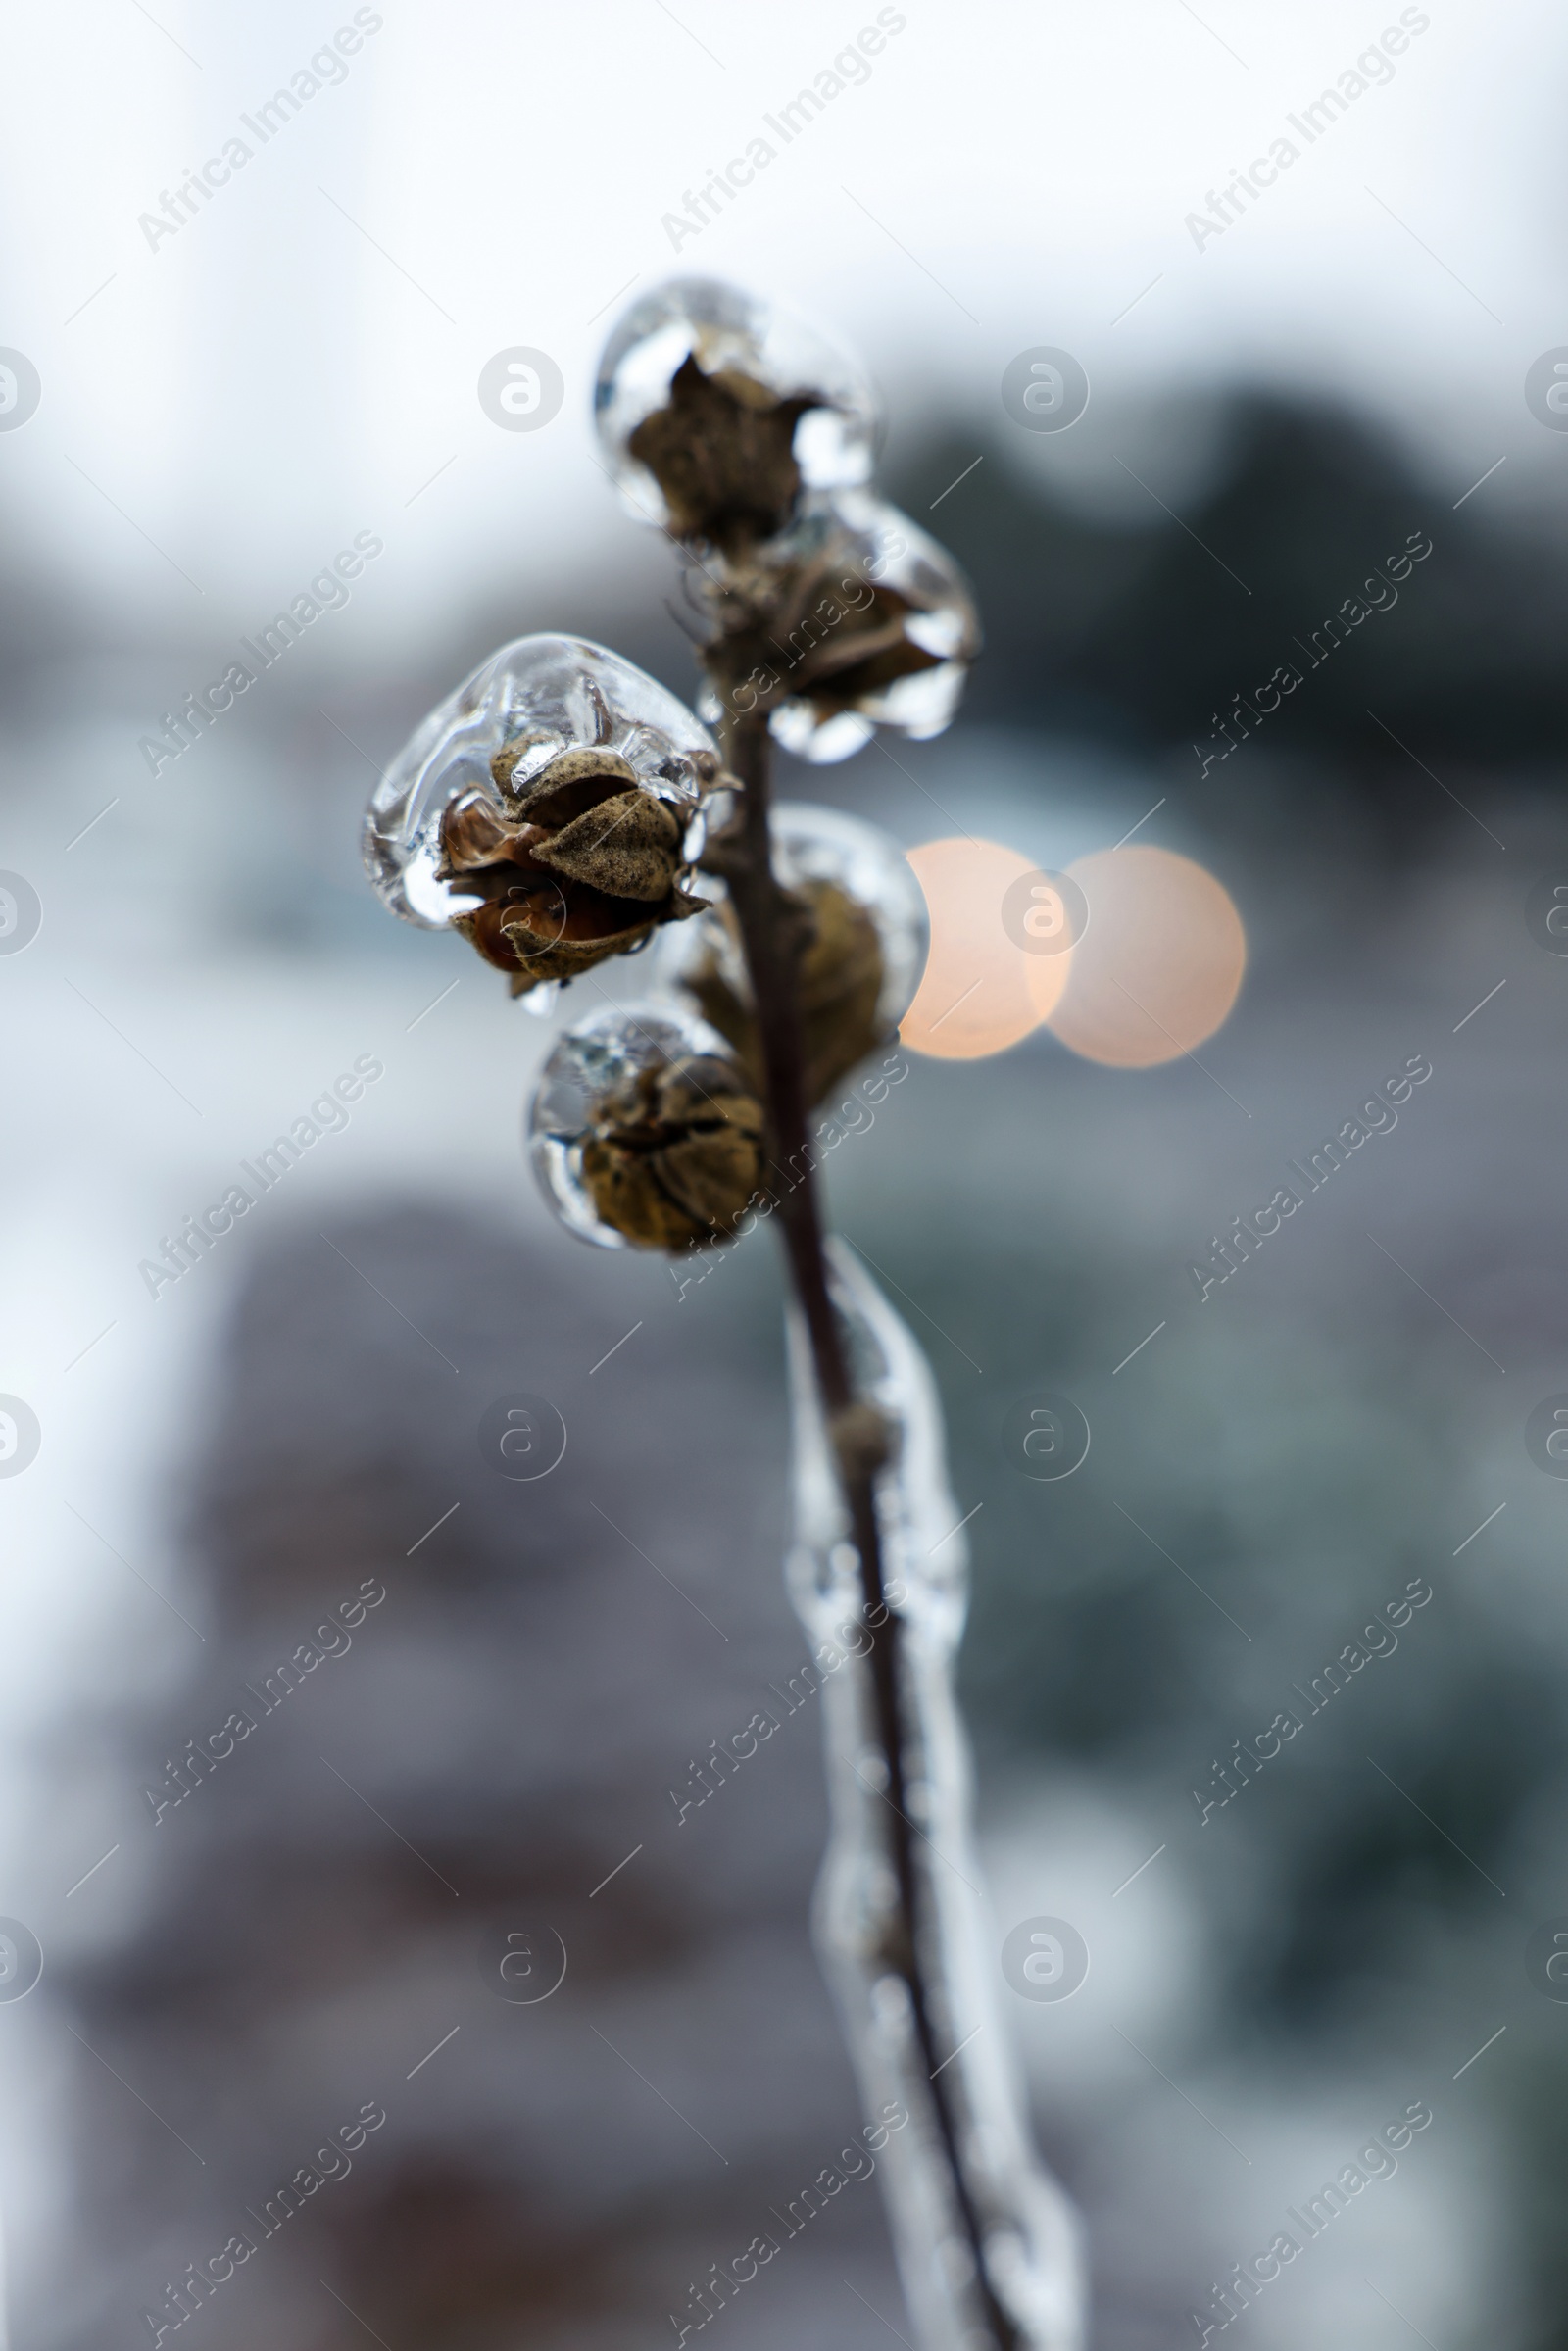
[[590, 1060], [856, 541], [726, 328], [561, 691], [1028, 2228], [817, 844]]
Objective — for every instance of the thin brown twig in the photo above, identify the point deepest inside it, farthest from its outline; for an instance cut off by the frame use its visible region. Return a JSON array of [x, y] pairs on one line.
[[771, 940]]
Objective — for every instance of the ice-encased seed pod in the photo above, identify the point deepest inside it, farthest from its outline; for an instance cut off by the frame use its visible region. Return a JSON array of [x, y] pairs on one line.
[[716, 412], [862, 956], [542, 809], [872, 624], [645, 1132]]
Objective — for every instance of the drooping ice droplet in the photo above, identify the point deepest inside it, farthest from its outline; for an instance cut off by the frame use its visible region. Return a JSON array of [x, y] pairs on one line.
[[716, 411], [877, 629], [1026, 2227], [862, 960], [488, 744], [645, 1134]]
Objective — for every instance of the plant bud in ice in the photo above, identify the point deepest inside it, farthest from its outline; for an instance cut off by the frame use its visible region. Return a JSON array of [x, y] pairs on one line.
[[542, 809], [646, 1133], [872, 624], [862, 951], [716, 413]]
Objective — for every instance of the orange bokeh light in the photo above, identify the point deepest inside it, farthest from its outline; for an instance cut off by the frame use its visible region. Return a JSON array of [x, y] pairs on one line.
[[981, 991], [1159, 965]]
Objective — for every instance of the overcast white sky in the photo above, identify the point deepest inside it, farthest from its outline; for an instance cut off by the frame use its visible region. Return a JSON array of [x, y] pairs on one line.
[[302, 358]]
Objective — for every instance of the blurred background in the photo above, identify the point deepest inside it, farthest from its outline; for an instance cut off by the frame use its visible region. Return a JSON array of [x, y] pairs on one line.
[[201, 403]]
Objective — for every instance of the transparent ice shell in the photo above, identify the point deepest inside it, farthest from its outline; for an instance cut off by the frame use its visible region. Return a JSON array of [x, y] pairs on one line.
[[727, 329], [812, 844], [853, 543], [561, 693], [1028, 2228], [594, 1057]]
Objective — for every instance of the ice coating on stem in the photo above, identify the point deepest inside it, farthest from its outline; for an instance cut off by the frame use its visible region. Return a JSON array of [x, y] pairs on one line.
[[554, 694], [1027, 2226]]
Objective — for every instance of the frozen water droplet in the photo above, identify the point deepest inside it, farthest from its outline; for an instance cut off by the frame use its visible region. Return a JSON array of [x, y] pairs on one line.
[[761, 357], [551, 694], [814, 845], [821, 741], [888, 637], [643, 1132]]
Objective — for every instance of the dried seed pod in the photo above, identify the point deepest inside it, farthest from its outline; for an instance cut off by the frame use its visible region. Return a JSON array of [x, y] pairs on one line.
[[840, 988], [584, 866], [862, 956], [543, 810], [716, 412], [674, 1156], [872, 624], [646, 1133], [722, 452]]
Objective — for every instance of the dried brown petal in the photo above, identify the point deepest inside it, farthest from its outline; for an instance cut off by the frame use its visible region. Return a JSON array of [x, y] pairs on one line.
[[504, 761], [628, 845], [842, 654], [723, 454], [674, 1156], [547, 936], [576, 780], [585, 868], [472, 835]]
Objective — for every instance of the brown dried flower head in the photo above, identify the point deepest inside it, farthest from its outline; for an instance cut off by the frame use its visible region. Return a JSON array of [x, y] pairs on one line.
[[673, 1155], [722, 452], [841, 975], [852, 613], [851, 640], [582, 866]]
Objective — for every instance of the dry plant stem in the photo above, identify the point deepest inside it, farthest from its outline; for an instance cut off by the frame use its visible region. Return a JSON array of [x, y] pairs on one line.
[[770, 941]]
